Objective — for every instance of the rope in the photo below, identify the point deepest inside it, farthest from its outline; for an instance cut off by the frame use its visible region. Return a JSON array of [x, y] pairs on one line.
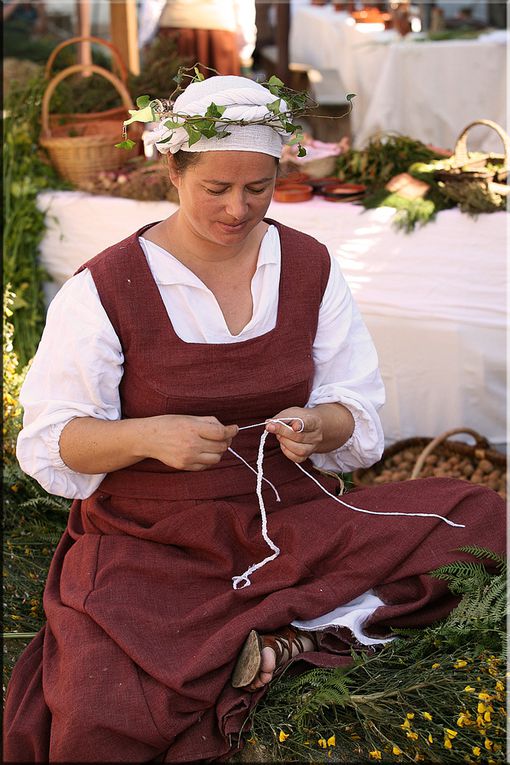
[[237, 581]]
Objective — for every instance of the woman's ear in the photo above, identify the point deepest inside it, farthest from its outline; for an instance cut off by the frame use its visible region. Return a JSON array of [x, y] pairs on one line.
[[173, 173]]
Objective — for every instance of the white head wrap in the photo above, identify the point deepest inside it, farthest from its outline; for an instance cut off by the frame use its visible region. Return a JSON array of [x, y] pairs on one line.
[[244, 99]]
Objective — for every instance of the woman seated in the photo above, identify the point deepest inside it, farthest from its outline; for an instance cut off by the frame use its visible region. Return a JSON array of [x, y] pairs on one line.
[[188, 380]]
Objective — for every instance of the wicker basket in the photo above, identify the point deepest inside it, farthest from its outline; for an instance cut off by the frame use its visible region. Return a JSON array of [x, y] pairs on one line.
[[117, 113], [472, 176], [79, 151], [421, 457]]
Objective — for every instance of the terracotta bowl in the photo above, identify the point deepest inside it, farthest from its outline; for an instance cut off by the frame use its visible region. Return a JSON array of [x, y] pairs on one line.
[[293, 192], [340, 192]]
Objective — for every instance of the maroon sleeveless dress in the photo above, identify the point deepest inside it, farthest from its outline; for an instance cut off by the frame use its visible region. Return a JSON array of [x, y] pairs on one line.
[[143, 624]]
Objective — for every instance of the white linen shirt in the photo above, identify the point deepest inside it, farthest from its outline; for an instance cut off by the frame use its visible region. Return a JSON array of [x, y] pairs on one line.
[[78, 366]]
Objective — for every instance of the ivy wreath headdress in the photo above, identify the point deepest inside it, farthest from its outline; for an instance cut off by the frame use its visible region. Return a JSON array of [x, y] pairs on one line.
[[224, 113]]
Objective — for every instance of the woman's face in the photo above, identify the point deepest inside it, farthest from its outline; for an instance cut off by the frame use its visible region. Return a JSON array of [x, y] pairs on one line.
[[225, 194]]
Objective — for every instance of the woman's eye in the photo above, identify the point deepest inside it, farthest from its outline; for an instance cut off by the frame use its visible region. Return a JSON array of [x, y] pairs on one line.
[[214, 191], [257, 191]]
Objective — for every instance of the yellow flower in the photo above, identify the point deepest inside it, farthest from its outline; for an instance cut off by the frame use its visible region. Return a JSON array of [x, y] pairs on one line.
[[500, 686], [322, 743], [477, 751], [460, 663], [375, 755], [283, 736], [331, 741], [484, 696], [412, 735], [464, 719], [487, 716], [469, 689], [447, 743], [427, 715], [396, 749], [410, 715], [405, 724], [450, 733], [487, 743], [436, 665], [480, 708], [430, 739]]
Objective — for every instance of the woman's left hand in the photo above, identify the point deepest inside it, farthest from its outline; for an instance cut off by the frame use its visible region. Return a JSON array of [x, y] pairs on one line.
[[295, 443]]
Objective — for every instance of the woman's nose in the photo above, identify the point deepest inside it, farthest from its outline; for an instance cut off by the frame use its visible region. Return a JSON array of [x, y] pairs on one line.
[[236, 206]]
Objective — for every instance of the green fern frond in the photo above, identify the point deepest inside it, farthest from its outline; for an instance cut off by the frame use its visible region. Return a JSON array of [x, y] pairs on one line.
[[482, 552]]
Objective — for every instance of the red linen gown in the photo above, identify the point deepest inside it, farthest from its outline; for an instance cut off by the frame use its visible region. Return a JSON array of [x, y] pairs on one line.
[[143, 624]]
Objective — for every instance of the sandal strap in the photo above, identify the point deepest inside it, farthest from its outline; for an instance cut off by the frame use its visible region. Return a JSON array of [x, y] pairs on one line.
[[283, 642]]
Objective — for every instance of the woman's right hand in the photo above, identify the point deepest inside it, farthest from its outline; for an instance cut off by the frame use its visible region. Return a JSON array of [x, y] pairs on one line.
[[185, 442]]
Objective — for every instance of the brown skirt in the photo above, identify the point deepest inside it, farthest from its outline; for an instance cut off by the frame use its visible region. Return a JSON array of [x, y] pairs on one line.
[[213, 48]]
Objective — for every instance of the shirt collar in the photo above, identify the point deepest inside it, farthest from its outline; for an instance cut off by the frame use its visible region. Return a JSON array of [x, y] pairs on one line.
[[167, 269]]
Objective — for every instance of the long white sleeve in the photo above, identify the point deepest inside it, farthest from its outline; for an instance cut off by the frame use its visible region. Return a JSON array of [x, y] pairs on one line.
[[79, 364], [347, 372], [75, 373]]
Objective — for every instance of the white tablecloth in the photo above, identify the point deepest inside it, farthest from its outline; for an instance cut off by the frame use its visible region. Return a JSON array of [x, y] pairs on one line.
[[434, 301], [428, 90]]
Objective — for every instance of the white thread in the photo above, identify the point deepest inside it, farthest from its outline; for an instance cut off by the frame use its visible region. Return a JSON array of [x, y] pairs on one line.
[[236, 580], [254, 471]]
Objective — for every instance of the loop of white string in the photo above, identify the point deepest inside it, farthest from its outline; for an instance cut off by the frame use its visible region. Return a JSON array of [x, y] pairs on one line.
[[238, 580]]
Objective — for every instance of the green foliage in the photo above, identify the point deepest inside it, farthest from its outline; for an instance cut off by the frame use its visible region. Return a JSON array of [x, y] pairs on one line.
[[26, 173], [383, 157], [435, 694]]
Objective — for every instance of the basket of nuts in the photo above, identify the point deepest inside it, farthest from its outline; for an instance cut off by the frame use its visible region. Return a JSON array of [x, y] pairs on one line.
[[425, 457]]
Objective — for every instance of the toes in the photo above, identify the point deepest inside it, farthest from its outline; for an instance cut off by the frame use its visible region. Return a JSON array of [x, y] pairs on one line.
[[268, 661]]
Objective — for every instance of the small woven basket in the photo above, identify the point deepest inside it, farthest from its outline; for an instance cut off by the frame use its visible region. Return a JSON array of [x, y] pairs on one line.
[[117, 113], [471, 182], [420, 457], [79, 151]]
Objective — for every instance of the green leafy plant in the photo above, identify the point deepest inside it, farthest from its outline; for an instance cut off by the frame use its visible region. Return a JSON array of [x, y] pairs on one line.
[[433, 695], [26, 173]]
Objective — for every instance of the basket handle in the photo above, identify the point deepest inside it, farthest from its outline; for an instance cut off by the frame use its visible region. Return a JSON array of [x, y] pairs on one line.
[[481, 443], [115, 55], [120, 87], [461, 153]]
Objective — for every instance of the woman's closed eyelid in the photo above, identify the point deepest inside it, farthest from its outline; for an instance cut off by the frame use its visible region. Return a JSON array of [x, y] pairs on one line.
[[222, 191]]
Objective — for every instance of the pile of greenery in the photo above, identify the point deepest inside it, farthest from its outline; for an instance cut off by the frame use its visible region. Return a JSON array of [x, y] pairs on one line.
[[388, 155], [384, 157], [433, 695]]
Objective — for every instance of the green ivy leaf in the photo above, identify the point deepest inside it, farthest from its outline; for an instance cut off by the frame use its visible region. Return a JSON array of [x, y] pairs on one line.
[[301, 151], [213, 110], [350, 96], [143, 101], [194, 135], [274, 106], [274, 84], [198, 75], [206, 128], [140, 115], [127, 144], [172, 124]]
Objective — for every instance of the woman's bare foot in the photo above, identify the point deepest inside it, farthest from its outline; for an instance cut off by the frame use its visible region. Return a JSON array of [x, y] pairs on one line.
[[268, 662]]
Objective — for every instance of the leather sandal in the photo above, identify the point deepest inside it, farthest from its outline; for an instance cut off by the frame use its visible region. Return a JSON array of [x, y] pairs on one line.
[[282, 643]]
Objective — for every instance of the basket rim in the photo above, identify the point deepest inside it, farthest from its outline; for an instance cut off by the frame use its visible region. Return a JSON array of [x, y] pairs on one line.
[[480, 451]]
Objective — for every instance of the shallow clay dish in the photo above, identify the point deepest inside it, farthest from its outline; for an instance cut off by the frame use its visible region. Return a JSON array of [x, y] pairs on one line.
[[342, 192], [293, 192]]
